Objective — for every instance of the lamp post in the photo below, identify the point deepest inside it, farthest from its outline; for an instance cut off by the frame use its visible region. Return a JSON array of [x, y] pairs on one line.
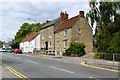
[[35, 32]]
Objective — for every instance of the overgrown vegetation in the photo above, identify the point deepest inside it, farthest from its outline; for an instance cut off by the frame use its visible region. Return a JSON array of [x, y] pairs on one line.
[[107, 56], [1, 44], [25, 29], [76, 48], [107, 19]]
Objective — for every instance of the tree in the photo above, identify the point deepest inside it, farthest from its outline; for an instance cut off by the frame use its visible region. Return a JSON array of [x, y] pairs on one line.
[[25, 29], [1, 44], [107, 20]]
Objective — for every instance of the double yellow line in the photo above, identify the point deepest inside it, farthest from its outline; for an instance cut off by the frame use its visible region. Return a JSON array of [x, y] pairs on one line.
[[83, 63], [14, 72]]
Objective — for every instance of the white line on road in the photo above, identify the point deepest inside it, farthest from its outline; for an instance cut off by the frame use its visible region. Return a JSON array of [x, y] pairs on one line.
[[61, 69], [90, 77], [66, 61], [32, 61], [17, 57]]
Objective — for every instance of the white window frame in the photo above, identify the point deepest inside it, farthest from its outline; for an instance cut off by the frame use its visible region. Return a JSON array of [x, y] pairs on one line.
[[79, 31], [65, 33], [65, 44], [50, 44], [42, 30], [58, 44], [50, 35], [43, 37], [58, 34], [50, 27], [42, 45]]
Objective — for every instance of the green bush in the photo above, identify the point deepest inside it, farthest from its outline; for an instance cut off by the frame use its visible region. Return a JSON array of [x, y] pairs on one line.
[[8, 48], [76, 48]]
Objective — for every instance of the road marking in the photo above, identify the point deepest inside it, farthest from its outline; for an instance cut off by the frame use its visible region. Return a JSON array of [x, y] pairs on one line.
[[83, 63], [32, 61], [17, 57], [66, 61], [14, 71], [61, 69], [90, 77]]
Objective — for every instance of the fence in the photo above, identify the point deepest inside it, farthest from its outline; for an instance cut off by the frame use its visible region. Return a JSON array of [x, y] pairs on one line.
[[108, 59]]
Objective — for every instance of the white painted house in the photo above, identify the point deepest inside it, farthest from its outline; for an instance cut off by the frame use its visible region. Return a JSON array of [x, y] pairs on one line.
[[30, 42]]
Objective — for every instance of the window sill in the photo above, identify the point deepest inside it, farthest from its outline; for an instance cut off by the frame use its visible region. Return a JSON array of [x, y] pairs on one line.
[[50, 47], [65, 48]]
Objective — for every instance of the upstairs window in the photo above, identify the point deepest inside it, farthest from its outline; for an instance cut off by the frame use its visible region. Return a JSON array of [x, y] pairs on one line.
[[65, 34], [42, 37], [58, 34], [50, 27], [50, 35], [42, 30]]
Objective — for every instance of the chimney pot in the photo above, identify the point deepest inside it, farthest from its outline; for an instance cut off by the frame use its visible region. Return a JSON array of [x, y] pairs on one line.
[[64, 16]]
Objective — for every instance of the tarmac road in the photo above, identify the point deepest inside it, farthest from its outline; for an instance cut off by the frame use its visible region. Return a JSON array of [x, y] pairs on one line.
[[52, 68]]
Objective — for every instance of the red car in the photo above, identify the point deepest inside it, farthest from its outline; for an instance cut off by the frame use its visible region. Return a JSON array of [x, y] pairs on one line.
[[18, 51]]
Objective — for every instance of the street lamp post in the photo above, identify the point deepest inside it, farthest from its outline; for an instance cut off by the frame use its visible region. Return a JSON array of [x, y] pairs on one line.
[[35, 32]]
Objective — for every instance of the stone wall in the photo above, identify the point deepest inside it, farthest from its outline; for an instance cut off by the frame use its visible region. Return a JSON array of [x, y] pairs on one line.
[[85, 36], [61, 40], [46, 37]]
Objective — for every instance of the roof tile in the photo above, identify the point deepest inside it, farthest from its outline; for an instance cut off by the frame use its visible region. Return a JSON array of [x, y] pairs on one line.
[[30, 37], [68, 23]]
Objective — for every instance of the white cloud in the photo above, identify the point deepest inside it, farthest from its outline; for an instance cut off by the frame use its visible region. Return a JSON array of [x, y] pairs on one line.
[[14, 14]]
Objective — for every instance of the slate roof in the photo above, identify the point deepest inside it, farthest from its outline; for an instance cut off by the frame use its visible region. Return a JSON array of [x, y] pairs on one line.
[[50, 23], [68, 23], [30, 37]]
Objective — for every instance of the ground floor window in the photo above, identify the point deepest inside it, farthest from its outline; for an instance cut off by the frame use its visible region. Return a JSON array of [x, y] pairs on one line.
[[58, 43], [65, 44], [42, 45], [50, 45]]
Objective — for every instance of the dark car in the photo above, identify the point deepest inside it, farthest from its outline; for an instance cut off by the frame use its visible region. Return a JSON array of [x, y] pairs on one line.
[[18, 51], [9, 51]]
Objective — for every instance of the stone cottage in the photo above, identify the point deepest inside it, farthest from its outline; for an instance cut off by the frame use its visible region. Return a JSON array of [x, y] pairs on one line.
[[75, 29], [47, 33]]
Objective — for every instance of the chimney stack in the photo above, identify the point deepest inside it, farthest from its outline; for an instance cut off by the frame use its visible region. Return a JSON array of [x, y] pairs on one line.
[[47, 21], [81, 14], [63, 16]]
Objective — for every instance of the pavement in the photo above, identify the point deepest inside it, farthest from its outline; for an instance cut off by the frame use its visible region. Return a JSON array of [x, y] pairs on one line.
[[45, 66], [89, 61]]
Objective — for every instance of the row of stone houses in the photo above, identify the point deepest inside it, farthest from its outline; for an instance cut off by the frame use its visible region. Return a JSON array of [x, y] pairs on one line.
[[56, 35]]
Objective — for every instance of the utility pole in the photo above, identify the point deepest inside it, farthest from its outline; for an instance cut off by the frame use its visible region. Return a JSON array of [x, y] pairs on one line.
[[35, 32]]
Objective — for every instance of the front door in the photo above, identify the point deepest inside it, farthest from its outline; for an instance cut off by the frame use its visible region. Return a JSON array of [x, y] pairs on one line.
[[46, 45]]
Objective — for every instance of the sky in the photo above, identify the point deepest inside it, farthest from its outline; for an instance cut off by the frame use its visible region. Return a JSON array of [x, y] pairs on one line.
[[13, 13]]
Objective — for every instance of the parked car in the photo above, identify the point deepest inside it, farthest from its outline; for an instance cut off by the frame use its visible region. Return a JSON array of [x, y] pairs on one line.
[[18, 51], [2, 49], [9, 51]]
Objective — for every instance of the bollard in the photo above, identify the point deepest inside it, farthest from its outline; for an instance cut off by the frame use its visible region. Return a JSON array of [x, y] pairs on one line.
[[113, 59]]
